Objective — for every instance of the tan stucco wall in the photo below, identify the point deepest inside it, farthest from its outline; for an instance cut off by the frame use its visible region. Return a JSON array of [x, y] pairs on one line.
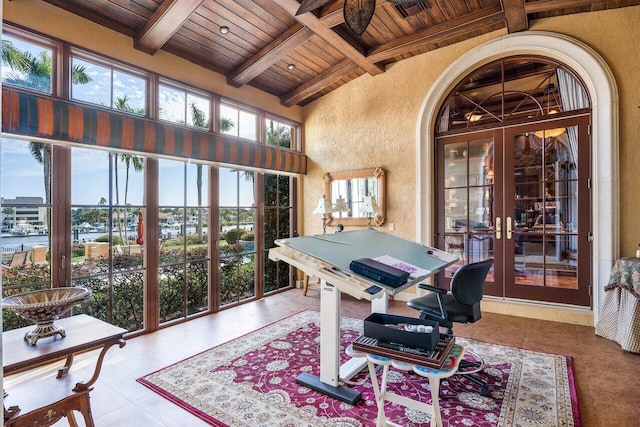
[[372, 121], [55, 22]]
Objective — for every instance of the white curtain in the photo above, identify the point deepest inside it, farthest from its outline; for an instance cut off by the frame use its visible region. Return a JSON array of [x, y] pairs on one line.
[[443, 126], [572, 97]]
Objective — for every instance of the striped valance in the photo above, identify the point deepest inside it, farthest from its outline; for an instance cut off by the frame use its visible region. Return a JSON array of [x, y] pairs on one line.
[[44, 117]]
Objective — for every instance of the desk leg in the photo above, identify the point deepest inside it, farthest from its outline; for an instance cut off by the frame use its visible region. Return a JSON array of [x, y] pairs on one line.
[[67, 366], [330, 335], [87, 386], [380, 305], [329, 381], [356, 364]]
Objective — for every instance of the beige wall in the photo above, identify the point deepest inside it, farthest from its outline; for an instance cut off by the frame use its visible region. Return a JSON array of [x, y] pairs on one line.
[[53, 21], [372, 121]]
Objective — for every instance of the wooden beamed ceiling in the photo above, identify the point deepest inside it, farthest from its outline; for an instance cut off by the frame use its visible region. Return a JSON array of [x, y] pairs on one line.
[[301, 58]]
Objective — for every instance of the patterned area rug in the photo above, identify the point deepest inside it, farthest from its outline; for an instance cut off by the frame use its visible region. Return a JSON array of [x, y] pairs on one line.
[[250, 381]]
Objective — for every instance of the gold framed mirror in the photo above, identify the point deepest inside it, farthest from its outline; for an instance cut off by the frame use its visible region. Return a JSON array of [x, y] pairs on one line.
[[353, 186]]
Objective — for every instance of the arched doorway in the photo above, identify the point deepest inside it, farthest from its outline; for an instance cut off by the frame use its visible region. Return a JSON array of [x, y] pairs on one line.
[[512, 179], [601, 88]]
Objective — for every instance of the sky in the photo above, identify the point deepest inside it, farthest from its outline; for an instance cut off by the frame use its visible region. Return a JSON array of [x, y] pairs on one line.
[[22, 175]]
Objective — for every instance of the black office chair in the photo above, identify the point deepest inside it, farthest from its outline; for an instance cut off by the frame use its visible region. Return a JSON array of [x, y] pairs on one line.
[[462, 305]]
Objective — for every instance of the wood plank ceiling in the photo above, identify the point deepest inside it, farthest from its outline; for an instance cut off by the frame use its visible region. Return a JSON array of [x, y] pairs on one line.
[[301, 58]]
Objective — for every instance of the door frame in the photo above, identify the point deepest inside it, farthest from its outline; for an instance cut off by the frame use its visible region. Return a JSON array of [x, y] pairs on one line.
[[580, 297], [601, 87]]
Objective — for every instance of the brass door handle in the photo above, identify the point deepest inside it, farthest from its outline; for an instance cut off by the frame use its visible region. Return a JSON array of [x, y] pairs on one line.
[[498, 228], [509, 232]]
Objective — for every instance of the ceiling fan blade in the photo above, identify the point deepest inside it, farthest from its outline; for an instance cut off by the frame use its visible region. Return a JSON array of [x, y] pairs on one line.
[[358, 14], [309, 5]]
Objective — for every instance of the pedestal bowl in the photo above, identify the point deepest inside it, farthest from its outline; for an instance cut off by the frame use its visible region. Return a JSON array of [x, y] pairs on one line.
[[43, 307]]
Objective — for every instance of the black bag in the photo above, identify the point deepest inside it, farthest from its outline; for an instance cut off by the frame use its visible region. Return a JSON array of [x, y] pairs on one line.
[[379, 272]]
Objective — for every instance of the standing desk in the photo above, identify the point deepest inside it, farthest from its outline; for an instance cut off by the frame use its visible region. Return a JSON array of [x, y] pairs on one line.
[[327, 256]]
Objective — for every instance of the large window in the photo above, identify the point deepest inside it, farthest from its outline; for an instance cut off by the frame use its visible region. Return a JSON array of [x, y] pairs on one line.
[[237, 244], [26, 214], [184, 254], [107, 251], [278, 214], [76, 216]]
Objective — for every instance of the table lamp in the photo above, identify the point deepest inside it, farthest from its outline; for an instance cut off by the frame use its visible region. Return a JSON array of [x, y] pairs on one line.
[[324, 208], [369, 207], [341, 206]]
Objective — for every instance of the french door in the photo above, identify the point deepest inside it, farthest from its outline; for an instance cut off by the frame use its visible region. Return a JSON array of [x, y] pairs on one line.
[[520, 195]]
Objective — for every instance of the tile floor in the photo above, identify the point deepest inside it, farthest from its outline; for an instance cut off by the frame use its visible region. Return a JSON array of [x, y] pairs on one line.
[[608, 379]]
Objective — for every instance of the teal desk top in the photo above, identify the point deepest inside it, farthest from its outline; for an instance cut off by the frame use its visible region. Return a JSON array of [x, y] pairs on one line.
[[339, 249]]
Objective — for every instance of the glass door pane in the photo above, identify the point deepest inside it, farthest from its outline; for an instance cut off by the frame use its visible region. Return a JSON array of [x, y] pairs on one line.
[[542, 213], [467, 207]]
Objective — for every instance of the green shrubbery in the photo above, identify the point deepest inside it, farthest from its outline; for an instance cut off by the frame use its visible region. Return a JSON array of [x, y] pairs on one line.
[[117, 240], [233, 235], [121, 302]]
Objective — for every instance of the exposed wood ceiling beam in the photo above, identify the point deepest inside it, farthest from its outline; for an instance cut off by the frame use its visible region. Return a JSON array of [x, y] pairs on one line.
[[547, 5], [515, 15], [327, 34], [269, 55], [318, 83], [166, 20], [331, 15], [437, 33]]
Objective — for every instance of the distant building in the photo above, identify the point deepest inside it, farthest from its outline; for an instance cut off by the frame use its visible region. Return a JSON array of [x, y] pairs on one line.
[[21, 210]]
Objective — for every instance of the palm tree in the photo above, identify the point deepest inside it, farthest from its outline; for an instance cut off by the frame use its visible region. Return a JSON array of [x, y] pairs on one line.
[[34, 72], [7, 213], [137, 163], [13, 56], [102, 202], [122, 103], [199, 120]]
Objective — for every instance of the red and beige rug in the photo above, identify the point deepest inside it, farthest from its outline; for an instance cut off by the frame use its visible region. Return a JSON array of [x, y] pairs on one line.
[[250, 381]]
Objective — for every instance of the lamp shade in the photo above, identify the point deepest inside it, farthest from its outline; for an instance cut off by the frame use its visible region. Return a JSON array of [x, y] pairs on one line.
[[341, 205], [369, 205], [324, 206]]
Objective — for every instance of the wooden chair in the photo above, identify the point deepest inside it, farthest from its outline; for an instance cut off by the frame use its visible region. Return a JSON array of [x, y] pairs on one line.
[[305, 285], [19, 258]]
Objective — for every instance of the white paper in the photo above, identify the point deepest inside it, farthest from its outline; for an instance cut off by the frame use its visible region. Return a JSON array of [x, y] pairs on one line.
[[413, 270]]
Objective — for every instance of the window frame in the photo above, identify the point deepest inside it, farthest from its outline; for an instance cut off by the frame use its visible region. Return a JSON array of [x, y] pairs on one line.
[[241, 108], [57, 68], [106, 63]]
